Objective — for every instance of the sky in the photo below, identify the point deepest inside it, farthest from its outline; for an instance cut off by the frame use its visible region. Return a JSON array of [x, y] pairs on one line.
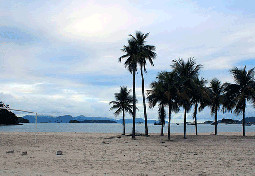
[[61, 57]]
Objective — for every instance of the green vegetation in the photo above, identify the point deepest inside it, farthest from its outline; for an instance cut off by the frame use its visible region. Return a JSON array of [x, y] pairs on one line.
[[240, 92], [123, 103], [162, 117], [186, 74], [183, 87], [136, 52], [164, 91], [145, 53], [199, 96], [131, 63], [8, 118], [216, 96]]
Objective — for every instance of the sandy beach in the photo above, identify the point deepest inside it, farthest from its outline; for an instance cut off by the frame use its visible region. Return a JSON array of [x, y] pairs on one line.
[[113, 154]]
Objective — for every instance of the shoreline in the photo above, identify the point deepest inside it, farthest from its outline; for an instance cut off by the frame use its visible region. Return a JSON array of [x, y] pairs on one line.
[[138, 134]]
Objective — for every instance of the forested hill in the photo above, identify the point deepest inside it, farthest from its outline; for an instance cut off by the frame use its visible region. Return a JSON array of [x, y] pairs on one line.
[[8, 117]]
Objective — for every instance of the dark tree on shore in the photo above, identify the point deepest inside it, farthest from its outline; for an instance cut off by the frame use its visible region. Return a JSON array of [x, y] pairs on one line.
[[131, 55], [200, 96], [162, 117], [123, 103], [186, 73], [8, 117], [145, 53], [243, 90], [164, 91], [216, 97]]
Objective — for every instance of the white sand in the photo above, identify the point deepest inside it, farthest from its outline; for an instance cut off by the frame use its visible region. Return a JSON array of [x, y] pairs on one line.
[[105, 154]]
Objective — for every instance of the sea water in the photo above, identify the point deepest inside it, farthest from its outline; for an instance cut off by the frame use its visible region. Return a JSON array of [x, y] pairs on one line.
[[117, 128]]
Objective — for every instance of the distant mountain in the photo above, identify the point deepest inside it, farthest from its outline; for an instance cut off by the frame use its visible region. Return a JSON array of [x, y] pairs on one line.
[[67, 119], [98, 121], [64, 119], [80, 118], [40, 119], [137, 120]]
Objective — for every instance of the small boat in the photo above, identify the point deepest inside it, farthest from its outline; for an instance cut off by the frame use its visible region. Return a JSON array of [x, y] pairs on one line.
[[248, 124], [177, 124]]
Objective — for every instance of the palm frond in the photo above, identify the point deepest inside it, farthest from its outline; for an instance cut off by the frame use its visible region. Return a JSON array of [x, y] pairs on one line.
[[242, 90], [123, 101]]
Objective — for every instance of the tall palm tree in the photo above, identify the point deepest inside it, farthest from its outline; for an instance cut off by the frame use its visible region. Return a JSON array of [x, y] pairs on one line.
[[186, 72], [164, 91], [122, 104], [243, 90], [145, 53], [217, 98], [131, 55], [200, 95]]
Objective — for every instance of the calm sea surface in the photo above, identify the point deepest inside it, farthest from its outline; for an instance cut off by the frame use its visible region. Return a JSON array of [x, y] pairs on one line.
[[117, 128]]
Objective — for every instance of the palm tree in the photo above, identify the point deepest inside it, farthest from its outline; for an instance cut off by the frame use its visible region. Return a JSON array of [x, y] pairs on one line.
[[200, 95], [162, 117], [240, 92], [122, 104], [217, 97], [186, 73], [131, 56], [164, 92], [145, 52]]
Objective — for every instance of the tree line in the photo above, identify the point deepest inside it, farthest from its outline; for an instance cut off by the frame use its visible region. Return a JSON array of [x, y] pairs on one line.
[[182, 86]]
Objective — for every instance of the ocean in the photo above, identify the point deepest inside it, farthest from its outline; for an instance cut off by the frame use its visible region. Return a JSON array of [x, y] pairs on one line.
[[117, 128]]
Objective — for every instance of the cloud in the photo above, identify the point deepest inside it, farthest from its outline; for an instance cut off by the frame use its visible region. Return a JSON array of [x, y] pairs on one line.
[[62, 57]]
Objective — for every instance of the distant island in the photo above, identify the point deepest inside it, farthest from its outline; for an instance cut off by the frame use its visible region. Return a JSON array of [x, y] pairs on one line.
[[248, 120], [79, 119], [84, 119]]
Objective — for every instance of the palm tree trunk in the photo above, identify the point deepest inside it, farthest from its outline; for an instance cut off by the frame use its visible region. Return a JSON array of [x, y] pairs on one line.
[[134, 103], [244, 118], [195, 117], [169, 120], [185, 123], [124, 130], [215, 121], [162, 129], [144, 104]]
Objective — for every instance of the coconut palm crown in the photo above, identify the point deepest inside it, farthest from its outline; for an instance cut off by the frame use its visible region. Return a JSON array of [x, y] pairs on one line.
[[217, 98], [239, 93], [164, 91], [200, 96], [186, 73], [123, 103], [131, 56], [145, 53]]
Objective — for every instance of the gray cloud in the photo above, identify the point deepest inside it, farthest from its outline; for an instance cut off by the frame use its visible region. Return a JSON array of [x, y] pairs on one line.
[[62, 57]]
